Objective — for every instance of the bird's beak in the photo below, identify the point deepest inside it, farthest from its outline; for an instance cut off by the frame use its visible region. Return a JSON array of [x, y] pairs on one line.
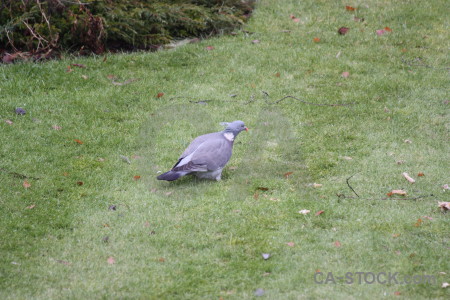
[[246, 129]]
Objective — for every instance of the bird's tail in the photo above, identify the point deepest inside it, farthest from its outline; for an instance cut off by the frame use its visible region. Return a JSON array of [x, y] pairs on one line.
[[170, 175]]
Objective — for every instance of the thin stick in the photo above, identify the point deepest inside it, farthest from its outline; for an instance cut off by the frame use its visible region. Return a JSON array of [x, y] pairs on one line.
[[351, 186], [310, 103]]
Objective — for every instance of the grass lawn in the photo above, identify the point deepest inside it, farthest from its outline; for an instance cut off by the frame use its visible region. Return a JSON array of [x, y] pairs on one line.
[[78, 222]]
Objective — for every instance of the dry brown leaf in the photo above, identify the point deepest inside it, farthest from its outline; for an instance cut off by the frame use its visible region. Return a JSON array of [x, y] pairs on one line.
[[111, 260], [420, 174], [409, 178], [78, 141], [26, 184], [444, 206], [319, 212], [287, 174], [418, 223], [136, 177], [397, 192]]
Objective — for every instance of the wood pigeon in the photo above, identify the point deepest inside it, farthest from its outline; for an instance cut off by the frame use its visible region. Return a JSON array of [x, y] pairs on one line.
[[207, 155]]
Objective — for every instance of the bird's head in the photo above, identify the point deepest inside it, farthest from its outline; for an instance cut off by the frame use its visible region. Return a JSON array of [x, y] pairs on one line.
[[234, 127]]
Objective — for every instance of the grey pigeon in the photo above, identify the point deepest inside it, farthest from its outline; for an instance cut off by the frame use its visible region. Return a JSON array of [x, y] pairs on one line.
[[207, 155]]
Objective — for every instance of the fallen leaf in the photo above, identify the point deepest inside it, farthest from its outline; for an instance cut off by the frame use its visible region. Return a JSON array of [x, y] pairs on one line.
[[397, 192], [444, 206], [161, 259], [78, 65], [319, 212], [209, 48], [31, 206], [345, 74], [387, 29], [409, 178], [349, 8], [159, 95], [80, 183], [101, 159], [396, 235], [9, 122], [256, 195], [287, 174], [343, 30], [136, 177], [304, 211], [106, 225], [418, 223], [56, 127], [63, 262], [262, 188], [420, 174], [78, 141], [68, 69], [111, 77], [111, 260], [26, 184], [337, 244], [290, 244], [316, 39], [266, 256], [277, 74]]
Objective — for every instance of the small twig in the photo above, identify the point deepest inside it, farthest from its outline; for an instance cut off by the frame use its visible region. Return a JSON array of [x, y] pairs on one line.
[[18, 175], [311, 103], [351, 186]]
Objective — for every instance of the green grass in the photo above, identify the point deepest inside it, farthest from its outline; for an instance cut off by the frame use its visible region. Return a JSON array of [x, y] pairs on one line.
[[195, 239]]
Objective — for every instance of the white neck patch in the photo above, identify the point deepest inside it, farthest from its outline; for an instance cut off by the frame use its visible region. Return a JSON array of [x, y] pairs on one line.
[[229, 136]]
